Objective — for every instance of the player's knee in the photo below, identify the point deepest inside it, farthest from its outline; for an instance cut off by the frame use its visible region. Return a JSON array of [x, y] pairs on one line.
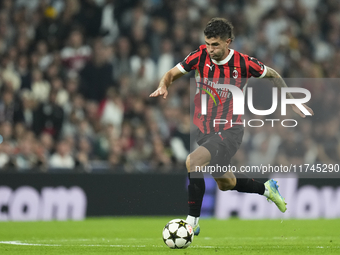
[[187, 163], [192, 162], [226, 184], [223, 186]]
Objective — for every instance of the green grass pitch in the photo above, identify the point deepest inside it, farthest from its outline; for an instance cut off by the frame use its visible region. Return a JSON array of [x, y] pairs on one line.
[[126, 235]]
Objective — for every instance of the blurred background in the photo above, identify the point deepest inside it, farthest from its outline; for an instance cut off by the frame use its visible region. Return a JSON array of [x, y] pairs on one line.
[[75, 79]]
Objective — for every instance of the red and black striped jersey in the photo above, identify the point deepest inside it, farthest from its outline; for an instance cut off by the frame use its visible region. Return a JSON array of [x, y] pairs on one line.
[[235, 69]]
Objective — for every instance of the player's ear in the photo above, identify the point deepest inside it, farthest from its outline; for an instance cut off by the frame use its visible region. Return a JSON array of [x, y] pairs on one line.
[[228, 41]]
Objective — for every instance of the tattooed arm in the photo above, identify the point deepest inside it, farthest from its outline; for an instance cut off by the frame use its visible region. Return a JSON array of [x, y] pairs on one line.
[[277, 80]]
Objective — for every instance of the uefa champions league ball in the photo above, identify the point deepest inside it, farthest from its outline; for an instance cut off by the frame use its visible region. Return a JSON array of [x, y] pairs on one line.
[[178, 234]]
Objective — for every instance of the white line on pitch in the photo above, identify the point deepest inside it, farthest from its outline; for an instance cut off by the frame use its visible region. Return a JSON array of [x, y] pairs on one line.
[[31, 244], [136, 246]]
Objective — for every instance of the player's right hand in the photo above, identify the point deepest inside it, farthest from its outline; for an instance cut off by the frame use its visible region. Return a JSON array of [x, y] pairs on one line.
[[160, 91]]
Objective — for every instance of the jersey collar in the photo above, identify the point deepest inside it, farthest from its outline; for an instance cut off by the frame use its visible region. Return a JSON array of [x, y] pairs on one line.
[[224, 61]]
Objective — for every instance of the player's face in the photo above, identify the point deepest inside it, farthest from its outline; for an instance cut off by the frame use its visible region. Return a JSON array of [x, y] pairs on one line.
[[217, 48]]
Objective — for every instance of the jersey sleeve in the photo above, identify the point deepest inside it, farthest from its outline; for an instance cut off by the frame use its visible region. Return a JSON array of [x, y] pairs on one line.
[[190, 62], [256, 68]]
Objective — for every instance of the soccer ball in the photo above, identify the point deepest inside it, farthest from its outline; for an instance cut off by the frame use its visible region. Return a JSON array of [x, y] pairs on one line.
[[178, 234]]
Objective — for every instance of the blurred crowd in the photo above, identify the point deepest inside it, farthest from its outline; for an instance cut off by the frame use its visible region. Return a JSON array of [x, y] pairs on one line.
[[75, 79]]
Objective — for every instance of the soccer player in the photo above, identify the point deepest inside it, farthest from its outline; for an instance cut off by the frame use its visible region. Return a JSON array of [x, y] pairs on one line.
[[217, 144]]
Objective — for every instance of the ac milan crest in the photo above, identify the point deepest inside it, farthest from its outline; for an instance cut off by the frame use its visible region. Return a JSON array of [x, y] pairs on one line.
[[235, 74]]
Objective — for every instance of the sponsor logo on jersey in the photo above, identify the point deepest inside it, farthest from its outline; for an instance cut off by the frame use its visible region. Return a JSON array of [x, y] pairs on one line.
[[210, 66]]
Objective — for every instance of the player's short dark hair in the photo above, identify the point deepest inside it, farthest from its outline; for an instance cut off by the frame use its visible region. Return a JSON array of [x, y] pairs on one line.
[[219, 27]]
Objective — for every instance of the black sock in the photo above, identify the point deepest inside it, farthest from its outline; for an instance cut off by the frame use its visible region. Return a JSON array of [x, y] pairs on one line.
[[196, 189], [247, 185]]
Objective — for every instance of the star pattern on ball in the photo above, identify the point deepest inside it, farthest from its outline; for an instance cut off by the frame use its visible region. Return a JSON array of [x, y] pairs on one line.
[[188, 238], [181, 224], [177, 234], [173, 236]]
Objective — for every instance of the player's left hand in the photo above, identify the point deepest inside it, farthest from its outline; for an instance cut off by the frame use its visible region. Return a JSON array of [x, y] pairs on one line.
[[297, 110]]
